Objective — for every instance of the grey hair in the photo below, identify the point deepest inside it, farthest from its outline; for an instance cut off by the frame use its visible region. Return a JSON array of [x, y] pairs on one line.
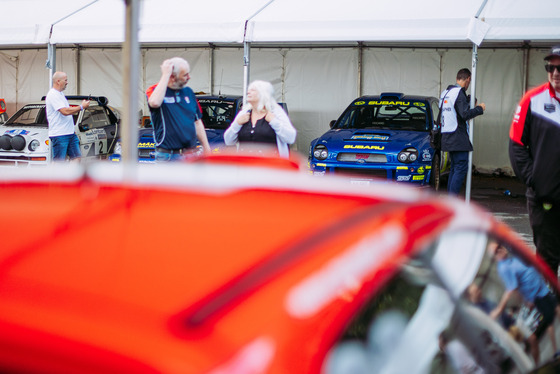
[[266, 95], [179, 64]]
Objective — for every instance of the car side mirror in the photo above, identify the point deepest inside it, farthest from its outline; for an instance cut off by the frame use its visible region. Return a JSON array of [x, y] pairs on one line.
[[83, 127], [331, 124]]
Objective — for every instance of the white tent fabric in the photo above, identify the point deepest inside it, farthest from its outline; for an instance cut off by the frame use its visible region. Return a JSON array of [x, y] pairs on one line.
[[283, 21], [28, 22], [330, 21], [319, 55], [517, 20], [161, 21]]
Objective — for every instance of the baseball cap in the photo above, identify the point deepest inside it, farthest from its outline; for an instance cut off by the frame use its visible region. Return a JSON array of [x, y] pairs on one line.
[[554, 51]]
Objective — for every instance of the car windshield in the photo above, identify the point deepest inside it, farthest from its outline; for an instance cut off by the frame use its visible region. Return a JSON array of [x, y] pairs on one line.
[[30, 115], [386, 115], [440, 310], [217, 114]]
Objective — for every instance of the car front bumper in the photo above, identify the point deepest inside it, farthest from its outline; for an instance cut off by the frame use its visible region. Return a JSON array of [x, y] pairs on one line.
[[418, 173]]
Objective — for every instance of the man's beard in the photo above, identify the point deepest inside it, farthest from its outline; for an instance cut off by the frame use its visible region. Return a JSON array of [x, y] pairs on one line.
[[177, 85]]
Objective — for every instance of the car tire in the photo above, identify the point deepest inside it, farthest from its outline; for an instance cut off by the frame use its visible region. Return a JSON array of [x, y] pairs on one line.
[[435, 175]]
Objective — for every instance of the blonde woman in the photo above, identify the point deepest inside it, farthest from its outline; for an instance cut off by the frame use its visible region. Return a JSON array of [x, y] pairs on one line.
[[262, 124]]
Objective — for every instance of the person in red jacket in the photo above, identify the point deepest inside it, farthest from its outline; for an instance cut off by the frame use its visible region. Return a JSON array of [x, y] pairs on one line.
[[535, 158]]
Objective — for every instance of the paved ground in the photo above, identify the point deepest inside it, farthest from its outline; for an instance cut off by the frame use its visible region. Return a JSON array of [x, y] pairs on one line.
[[490, 192]]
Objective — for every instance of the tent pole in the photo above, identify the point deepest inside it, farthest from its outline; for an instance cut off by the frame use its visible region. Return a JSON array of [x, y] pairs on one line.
[[360, 67], [51, 61], [247, 53], [472, 104], [471, 122], [246, 68], [131, 72], [51, 54]]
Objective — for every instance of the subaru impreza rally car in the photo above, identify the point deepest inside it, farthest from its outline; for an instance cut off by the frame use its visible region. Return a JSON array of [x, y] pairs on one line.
[[385, 136], [217, 114], [24, 138]]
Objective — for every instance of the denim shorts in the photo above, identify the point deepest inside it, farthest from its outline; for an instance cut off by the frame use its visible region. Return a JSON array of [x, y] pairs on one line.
[[65, 145]]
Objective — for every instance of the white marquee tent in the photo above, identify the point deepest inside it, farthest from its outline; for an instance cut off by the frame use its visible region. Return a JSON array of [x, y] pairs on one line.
[[318, 54]]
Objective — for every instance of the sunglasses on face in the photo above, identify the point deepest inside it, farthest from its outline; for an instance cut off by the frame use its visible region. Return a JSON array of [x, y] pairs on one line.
[[550, 68]]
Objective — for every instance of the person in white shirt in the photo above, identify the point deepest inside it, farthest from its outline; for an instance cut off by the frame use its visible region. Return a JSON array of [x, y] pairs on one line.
[[63, 140], [262, 125]]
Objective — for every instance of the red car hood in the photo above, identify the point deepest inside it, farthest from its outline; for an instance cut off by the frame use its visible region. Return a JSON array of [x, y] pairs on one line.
[[192, 268]]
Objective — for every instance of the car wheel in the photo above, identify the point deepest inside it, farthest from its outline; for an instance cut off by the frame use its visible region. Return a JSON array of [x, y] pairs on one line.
[[435, 175]]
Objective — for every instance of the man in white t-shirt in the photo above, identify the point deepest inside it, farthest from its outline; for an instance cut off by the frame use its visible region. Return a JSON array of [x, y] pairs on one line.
[[63, 139]]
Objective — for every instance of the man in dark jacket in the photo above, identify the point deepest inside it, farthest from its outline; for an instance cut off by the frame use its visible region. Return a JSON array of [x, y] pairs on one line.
[[455, 112], [535, 157]]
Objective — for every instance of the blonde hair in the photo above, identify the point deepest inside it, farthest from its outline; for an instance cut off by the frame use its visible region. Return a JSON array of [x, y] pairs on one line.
[[266, 95]]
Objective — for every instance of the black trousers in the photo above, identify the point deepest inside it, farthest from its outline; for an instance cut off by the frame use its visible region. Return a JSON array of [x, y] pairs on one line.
[[545, 222]]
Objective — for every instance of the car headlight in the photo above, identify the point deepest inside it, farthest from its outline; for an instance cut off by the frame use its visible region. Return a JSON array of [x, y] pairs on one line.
[[33, 145], [408, 155], [320, 152]]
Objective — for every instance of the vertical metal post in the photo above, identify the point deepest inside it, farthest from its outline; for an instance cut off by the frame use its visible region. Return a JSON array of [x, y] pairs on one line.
[[78, 71], [246, 72], [471, 122], [360, 68], [526, 60], [51, 61], [247, 52], [131, 63]]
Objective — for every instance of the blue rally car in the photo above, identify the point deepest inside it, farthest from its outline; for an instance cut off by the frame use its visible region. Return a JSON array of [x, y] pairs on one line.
[[385, 136]]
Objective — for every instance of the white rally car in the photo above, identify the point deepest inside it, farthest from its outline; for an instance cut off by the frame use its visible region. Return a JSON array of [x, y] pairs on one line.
[[24, 138]]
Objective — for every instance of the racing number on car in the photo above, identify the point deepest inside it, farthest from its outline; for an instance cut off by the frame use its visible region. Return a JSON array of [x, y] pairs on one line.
[[100, 146]]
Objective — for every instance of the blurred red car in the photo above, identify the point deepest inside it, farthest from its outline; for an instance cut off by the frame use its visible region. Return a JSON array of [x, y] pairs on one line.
[[224, 268], [3, 114]]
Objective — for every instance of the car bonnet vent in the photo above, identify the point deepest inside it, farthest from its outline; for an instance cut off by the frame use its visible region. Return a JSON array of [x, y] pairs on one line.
[[392, 95]]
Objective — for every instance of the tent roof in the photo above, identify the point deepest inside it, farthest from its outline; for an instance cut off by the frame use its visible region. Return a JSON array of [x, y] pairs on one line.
[[281, 21]]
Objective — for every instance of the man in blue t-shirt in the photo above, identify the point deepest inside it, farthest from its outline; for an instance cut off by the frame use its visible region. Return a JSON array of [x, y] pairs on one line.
[[519, 278], [176, 115]]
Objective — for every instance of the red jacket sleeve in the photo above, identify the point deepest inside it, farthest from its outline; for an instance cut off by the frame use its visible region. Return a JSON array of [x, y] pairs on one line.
[[150, 91]]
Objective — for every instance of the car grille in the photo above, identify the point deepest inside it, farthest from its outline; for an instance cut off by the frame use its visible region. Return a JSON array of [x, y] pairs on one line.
[[369, 173], [366, 157]]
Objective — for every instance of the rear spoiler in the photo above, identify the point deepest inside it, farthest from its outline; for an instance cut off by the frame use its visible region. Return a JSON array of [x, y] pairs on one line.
[[102, 100]]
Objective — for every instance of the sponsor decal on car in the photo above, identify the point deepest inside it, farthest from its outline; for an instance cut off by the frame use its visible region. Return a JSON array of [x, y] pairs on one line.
[[370, 137], [17, 132], [214, 101], [94, 134], [361, 146], [385, 102]]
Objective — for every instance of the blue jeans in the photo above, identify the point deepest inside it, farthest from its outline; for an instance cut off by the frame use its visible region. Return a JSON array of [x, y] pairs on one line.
[[64, 145], [458, 171], [166, 157]]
